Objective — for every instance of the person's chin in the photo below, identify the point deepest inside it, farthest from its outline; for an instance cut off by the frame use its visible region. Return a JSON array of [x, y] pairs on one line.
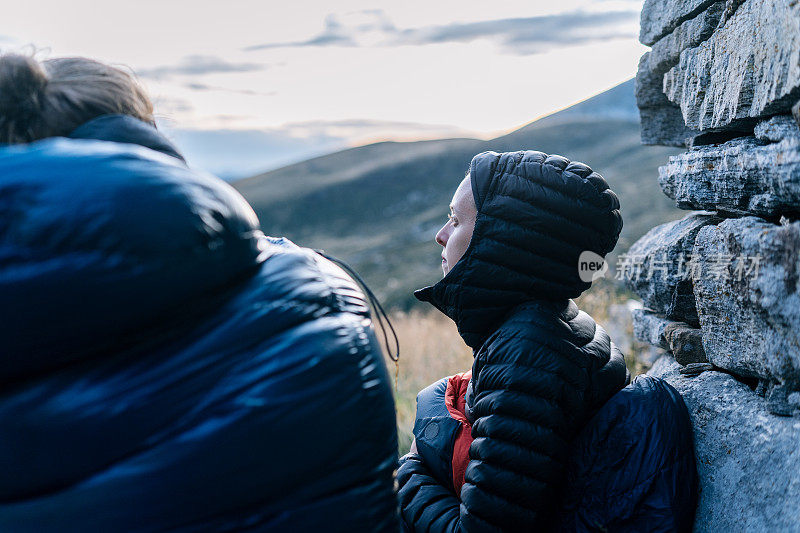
[[445, 270]]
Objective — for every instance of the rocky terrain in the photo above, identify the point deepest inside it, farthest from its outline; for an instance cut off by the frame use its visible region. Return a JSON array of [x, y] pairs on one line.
[[721, 286]]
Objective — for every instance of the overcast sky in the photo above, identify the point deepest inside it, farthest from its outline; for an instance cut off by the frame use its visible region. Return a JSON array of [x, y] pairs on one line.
[[354, 69]]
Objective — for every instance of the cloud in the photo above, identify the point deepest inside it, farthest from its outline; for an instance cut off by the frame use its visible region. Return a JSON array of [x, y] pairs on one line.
[[334, 33], [552, 30], [167, 105], [522, 35], [205, 87], [357, 130], [197, 65]]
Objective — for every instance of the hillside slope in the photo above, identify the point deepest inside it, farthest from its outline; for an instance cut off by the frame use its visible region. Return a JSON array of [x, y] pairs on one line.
[[379, 206]]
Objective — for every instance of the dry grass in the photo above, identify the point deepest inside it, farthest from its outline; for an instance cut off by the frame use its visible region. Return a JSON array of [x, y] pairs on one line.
[[430, 349]]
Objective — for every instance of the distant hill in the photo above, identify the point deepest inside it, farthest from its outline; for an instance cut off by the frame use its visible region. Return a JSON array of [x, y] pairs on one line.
[[232, 154], [379, 206], [617, 103]]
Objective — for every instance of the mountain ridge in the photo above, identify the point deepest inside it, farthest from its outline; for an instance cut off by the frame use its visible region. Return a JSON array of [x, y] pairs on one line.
[[378, 206]]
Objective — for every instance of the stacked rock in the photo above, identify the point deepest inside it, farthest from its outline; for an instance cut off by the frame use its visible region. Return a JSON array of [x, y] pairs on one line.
[[721, 286]]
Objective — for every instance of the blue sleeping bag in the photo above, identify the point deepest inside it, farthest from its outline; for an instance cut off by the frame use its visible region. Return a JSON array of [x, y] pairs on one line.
[[165, 366], [632, 467]]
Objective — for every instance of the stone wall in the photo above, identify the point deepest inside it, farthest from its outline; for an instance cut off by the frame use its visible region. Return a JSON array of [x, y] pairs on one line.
[[721, 287]]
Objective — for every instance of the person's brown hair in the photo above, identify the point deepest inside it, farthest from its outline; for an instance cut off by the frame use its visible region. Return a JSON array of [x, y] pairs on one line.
[[53, 97]]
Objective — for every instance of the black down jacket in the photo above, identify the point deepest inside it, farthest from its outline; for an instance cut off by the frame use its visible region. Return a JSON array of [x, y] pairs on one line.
[[168, 367], [542, 367]]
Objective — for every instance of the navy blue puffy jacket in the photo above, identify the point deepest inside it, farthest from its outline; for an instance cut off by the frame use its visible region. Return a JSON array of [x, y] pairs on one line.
[[168, 367]]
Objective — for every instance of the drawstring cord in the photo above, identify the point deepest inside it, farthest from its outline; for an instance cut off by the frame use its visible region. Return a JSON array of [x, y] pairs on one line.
[[380, 314]]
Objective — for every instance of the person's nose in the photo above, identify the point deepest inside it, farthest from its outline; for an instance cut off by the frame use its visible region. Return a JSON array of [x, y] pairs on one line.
[[441, 236]]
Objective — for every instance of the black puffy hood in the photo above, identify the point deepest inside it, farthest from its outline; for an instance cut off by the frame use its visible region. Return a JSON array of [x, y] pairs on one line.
[[536, 214]]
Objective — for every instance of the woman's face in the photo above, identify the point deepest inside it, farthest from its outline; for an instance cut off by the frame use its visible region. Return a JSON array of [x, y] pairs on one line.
[[456, 234]]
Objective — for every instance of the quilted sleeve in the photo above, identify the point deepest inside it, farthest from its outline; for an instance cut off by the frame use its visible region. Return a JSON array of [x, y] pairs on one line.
[[528, 404], [426, 505]]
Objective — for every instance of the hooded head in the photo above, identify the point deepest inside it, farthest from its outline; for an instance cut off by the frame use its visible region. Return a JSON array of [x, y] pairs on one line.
[[536, 215]]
